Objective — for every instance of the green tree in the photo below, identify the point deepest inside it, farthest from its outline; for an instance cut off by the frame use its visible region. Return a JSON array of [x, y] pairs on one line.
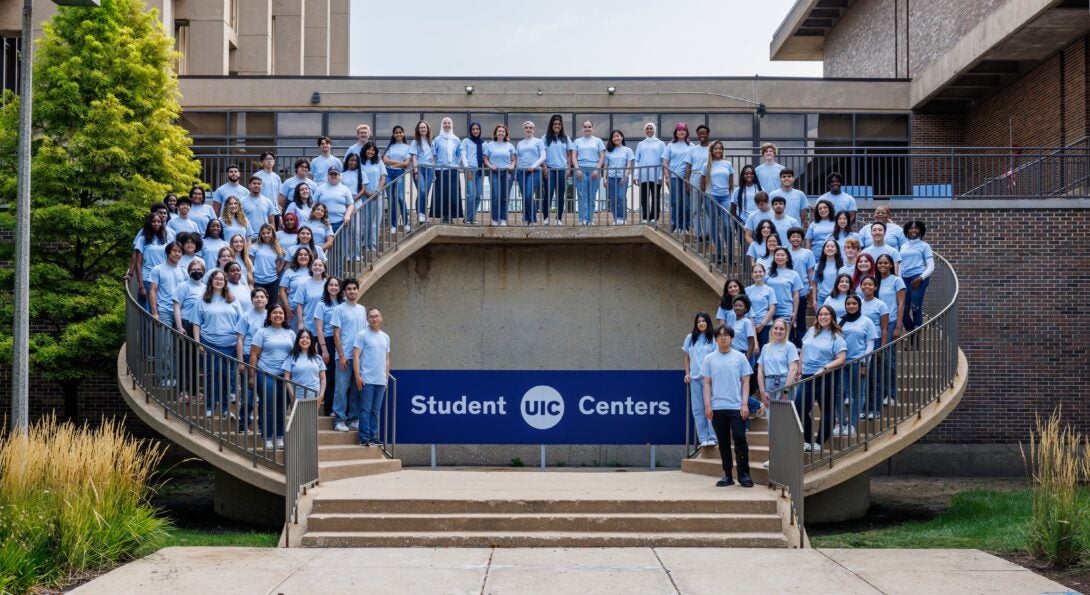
[[105, 146]]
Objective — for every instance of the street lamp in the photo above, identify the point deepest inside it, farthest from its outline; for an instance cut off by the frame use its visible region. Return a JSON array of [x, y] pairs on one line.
[[20, 370]]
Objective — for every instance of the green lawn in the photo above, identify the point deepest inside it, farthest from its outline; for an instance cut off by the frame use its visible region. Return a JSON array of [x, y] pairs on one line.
[[982, 519], [195, 537]]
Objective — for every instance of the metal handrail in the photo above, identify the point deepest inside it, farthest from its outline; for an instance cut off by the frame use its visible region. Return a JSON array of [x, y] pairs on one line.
[[300, 459], [784, 468]]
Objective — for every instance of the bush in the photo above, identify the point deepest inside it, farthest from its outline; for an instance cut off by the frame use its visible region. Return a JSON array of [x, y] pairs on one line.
[[71, 500], [1059, 457]]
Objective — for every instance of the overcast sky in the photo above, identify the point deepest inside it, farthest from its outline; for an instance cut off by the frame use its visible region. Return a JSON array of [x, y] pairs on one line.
[[569, 38]]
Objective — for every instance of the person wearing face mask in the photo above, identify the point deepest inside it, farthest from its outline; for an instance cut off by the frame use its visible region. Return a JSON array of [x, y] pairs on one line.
[[472, 160], [841, 201], [559, 158], [649, 174], [447, 201], [185, 316]]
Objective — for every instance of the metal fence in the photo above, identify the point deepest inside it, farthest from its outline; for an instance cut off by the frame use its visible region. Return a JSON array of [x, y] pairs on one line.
[[784, 466], [300, 459], [870, 172]]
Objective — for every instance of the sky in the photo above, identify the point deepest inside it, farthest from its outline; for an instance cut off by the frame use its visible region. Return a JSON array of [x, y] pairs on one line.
[[569, 38]]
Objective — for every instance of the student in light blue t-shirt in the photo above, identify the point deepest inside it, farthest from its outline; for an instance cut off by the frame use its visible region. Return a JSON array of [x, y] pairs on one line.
[[304, 368], [272, 344], [371, 367], [823, 350], [559, 158], [860, 336], [397, 160], [841, 201], [422, 155], [769, 172], [231, 187], [619, 161], [796, 201], [590, 156], [726, 376], [472, 160], [649, 174], [697, 345], [446, 204], [917, 264], [673, 164], [319, 166], [532, 154], [500, 158]]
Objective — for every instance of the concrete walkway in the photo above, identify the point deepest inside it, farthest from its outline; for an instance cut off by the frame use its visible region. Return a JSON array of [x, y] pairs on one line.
[[630, 571]]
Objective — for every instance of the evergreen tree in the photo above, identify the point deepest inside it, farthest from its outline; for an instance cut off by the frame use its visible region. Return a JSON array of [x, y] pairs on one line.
[[105, 147]]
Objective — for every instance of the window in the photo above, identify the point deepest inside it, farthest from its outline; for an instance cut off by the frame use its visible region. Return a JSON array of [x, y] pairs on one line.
[[385, 122], [631, 125], [881, 126], [669, 121], [774, 126], [515, 120], [305, 124], [835, 126], [343, 124], [435, 119], [737, 126], [181, 45], [205, 124], [253, 125], [600, 122], [488, 122]]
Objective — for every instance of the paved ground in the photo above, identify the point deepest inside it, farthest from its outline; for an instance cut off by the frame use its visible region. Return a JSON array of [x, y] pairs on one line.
[[631, 571]]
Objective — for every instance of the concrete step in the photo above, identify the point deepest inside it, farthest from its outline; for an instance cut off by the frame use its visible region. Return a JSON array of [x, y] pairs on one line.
[[334, 470], [757, 454], [330, 437], [546, 523], [363, 505], [348, 452], [714, 468], [544, 539]]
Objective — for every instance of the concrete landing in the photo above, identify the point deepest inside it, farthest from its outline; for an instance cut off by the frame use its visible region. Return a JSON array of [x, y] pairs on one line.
[[633, 571]]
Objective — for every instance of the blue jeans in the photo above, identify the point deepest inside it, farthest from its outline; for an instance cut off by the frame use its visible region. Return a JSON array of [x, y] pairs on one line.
[[555, 185], [164, 346], [474, 194], [887, 369], [529, 182], [395, 190], [914, 303], [330, 377], [371, 221], [587, 189], [371, 405], [679, 204], [698, 207], [345, 395], [423, 185], [704, 431], [854, 389], [617, 200], [500, 190], [799, 330], [823, 391], [219, 371], [270, 391]]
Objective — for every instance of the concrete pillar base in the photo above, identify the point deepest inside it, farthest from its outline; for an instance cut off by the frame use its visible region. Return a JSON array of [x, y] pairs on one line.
[[240, 501], [847, 501]]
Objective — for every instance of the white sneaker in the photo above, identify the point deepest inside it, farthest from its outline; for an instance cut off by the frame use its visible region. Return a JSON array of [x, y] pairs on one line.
[[764, 465], [393, 230], [280, 443], [836, 431], [421, 219], [340, 427], [644, 221], [816, 447], [713, 442], [503, 223], [870, 415], [885, 401], [232, 398], [268, 445], [847, 401], [618, 221], [408, 228], [850, 431], [807, 447], [354, 426]]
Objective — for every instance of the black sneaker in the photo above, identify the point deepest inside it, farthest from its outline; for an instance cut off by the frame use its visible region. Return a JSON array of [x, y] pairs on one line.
[[726, 482], [745, 481]]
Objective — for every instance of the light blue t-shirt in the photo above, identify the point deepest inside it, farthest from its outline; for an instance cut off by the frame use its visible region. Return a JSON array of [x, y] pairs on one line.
[[316, 251], [258, 209], [179, 225], [697, 352], [227, 190], [308, 294], [744, 197], [743, 330], [236, 228], [287, 190], [778, 357], [762, 298], [785, 284], [697, 161], [319, 230], [796, 202], [718, 177], [447, 151], [468, 151], [617, 162], [397, 152], [557, 153], [305, 370], [587, 150], [887, 292], [769, 176], [319, 167], [914, 257], [293, 278], [837, 304], [818, 349], [373, 347], [895, 236], [825, 280], [782, 225], [423, 151], [874, 310], [210, 251], [202, 214], [500, 155], [287, 240], [275, 344], [857, 335], [803, 263], [841, 202], [324, 312], [754, 219], [876, 251], [336, 199], [726, 315], [817, 233], [264, 258], [351, 319], [649, 159], [674, 156], [217, 321], [270, 185], [373, 174], [154, 252], [170, 279], [242, 295], [531, 153], [726, 371], [189, 294], [247, 326]]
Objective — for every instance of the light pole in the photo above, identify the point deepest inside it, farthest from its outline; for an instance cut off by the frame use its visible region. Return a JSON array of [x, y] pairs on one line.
[[20, 372]]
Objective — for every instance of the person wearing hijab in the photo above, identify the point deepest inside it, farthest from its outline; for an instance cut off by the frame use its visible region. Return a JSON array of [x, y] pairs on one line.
[[648, 174], [472, 160], [447, 202]]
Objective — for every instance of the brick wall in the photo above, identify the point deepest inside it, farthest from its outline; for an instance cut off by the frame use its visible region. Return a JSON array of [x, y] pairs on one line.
[[1025, 324]]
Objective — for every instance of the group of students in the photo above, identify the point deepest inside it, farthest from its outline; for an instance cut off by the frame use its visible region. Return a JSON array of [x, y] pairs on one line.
[[264, 298], [865, 289]]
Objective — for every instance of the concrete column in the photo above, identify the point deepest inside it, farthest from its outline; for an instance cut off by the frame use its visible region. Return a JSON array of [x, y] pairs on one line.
[[209, 37], [254, 54], [288, 36], [340, 20], [316, 38]]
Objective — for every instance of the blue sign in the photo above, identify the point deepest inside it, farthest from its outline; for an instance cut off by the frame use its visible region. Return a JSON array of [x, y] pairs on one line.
[[540, 407]]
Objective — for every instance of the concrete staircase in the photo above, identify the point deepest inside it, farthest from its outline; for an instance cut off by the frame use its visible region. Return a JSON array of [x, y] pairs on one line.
[[534, 509], [340, 456]]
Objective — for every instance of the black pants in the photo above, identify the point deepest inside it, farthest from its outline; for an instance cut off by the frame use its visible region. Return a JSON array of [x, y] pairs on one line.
[[330, 377], [650, 200], [728, 423]]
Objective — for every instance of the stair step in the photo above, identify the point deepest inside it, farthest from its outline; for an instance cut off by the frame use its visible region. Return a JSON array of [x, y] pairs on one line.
[[334, 470], [332, 437], [714, 468], [757, 454], [515, 506], [543, 539], [564, 523], [348, 452]]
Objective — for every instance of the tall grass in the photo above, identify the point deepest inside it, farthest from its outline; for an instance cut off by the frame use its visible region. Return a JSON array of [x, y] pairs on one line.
[[72, 499], [1059, 458]]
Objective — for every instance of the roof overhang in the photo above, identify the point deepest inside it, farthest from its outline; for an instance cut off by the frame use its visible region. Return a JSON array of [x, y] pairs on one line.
[[801, 35]]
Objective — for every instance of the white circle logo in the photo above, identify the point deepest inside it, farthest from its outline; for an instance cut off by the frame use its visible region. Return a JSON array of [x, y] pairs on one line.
[[542, 407]]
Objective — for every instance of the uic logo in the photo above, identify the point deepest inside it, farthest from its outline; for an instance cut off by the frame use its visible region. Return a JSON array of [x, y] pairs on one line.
[[542, 407]]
